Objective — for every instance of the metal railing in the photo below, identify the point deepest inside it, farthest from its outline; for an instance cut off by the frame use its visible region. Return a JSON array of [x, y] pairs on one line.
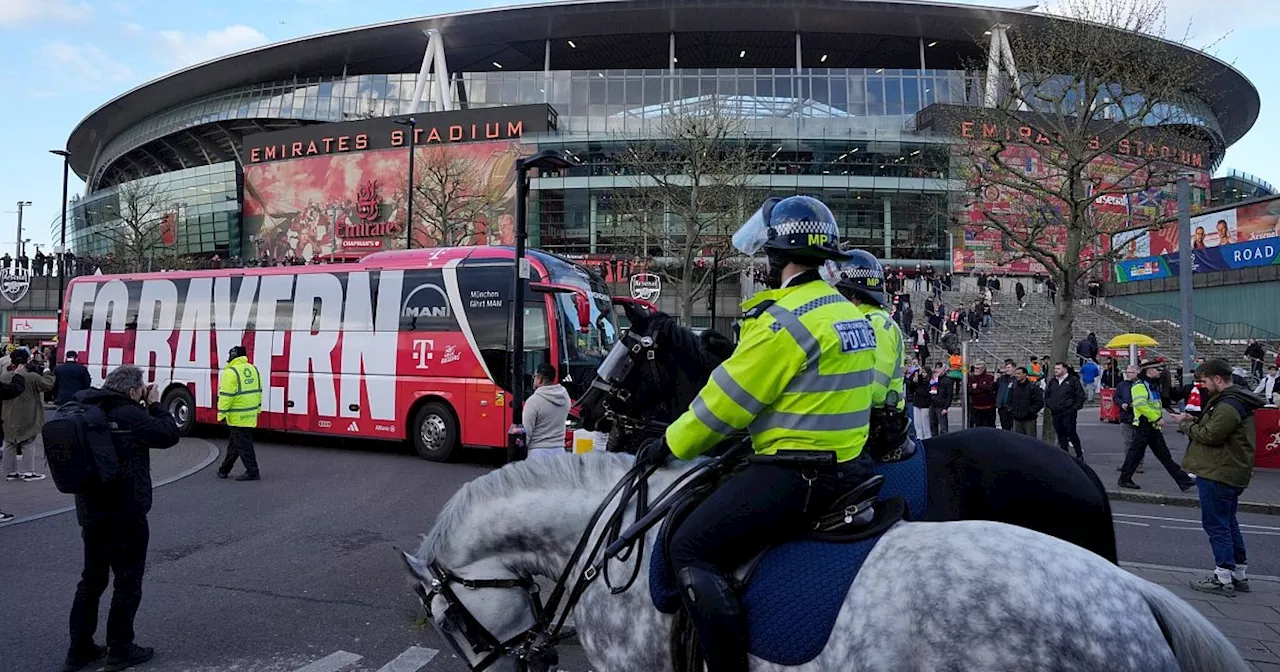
[[1217, 332]]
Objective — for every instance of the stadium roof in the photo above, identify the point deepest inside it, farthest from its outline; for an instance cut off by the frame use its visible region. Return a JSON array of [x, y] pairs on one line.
[[614, 34]]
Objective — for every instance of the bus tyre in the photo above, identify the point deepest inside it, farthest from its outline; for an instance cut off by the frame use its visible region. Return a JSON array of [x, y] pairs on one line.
[[182, 407], [435, 432]]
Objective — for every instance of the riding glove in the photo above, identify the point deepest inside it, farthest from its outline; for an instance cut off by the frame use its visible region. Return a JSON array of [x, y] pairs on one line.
[[654, 452]]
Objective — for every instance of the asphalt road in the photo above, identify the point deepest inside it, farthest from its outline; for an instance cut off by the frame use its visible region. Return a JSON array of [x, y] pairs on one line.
[[297, 572]]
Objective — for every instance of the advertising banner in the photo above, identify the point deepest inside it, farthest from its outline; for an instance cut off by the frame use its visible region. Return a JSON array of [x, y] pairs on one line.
[[1240, 237], [1262, 252]]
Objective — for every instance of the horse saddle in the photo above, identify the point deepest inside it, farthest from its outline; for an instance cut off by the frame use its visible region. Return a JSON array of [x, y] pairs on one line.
[[792, 593]]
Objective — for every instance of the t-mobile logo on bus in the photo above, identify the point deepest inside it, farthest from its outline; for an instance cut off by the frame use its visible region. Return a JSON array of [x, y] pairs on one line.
[[423, 352]]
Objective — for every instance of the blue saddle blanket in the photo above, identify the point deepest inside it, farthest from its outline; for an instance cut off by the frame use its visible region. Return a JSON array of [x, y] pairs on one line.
[[797, 588]]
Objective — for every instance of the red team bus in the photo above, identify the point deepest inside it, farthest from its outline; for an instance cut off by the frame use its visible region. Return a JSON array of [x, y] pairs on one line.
[[407, 345]]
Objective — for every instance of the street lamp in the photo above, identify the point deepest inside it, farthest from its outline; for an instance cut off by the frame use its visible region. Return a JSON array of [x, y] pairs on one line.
[[408, 227], [18, 245], [547, 159], [62, 242]]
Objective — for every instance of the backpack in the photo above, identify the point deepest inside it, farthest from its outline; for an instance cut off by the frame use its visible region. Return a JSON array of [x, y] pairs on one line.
[[78, 448]]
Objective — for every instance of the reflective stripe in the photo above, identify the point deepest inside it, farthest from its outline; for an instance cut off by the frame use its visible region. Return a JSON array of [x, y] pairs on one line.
[[708, 418], [810, 380], [243, 410], [785, 319], [880, 378], [818, 303], [812, 422], [736, 392]]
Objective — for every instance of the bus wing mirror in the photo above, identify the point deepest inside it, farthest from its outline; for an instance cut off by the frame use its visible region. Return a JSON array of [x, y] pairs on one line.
[[584, 312]]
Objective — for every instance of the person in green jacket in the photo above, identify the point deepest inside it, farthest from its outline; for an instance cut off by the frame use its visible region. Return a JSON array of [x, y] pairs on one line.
[[1221, 457], [239, 402]]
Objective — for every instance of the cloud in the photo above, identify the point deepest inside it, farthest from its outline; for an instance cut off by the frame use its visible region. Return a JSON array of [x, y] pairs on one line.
[[19, 11], [131, 29], [183, 49], [85, 66]]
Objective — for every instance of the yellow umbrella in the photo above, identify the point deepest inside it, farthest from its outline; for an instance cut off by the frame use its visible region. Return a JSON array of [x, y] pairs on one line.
[[1126, 340]]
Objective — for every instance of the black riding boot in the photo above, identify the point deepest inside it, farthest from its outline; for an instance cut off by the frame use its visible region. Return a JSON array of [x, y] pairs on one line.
[[714, 609]]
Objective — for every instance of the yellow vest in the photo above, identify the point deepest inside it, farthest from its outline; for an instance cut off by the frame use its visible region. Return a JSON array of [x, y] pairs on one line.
[[240, 393], [800, 378], [888, 372]]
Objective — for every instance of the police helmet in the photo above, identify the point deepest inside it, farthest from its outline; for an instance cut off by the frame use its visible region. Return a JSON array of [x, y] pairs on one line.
[[799, 227], [862, 275]]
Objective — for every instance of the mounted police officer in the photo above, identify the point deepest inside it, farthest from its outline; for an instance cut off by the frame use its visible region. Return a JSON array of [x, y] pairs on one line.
[[800, 382], [861, 280]]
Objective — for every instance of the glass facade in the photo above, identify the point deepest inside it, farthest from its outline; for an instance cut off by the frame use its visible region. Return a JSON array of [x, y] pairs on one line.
[[204, 202], [845, 135]]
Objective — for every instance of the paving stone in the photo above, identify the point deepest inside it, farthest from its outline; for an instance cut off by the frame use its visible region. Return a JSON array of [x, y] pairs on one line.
[[1245, 629], [1249, 612], [1186, 592], [1265, 597], [1264, 667], [1255, 650], [1207, 608]]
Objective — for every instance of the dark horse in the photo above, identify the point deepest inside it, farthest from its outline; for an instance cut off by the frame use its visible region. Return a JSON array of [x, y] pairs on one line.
[[975, 474]]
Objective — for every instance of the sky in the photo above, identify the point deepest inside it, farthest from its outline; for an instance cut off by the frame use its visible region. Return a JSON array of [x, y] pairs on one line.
[[61, 59]]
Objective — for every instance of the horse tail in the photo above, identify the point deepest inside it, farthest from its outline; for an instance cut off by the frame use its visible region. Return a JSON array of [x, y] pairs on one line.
[[1106, 545], [1197, 645]]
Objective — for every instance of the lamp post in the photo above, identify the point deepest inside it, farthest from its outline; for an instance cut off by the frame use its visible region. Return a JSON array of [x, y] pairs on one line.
[[1185, 266], [547, 159], [18, 245], [62, 241], [408, 225]]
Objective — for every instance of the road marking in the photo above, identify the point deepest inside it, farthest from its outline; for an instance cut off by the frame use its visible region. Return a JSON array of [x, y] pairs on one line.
[[332, 662], [1189, 520], [1178, 527], [411, 660], [1130, 522]]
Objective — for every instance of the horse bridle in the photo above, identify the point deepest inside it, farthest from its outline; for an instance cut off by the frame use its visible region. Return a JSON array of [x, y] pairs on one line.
[[631, 349]]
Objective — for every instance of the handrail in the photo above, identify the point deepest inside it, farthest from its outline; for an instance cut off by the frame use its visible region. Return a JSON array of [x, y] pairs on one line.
[[1208, 329]]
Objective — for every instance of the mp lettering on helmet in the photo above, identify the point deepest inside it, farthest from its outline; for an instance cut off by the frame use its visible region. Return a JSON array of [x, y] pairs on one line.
[[818, 238], [855, 335]]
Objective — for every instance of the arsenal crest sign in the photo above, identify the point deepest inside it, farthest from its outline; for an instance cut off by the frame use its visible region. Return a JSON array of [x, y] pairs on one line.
[[14, 283], [645, 286]]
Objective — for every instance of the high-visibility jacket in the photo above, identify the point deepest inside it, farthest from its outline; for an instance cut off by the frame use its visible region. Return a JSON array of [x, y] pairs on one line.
[[1146, 402], [1036, 372], [800, 378], [888, 372], [239, 393]]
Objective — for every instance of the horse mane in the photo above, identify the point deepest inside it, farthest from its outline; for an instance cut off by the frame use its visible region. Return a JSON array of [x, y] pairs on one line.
[[577, 472], [685, 345]]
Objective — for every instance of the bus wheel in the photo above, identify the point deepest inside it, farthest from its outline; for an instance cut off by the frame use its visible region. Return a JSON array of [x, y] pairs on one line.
[[182, 407], [435, 432]]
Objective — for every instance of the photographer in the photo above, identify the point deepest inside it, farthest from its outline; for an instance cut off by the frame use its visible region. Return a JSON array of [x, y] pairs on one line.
[[113, 521], [23, 416]]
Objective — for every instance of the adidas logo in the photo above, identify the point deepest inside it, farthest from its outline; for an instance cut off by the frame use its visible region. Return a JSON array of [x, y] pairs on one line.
[[353, 427]]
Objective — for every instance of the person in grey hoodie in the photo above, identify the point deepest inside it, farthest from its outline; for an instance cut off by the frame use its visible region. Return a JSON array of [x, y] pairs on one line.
[[545, 413]]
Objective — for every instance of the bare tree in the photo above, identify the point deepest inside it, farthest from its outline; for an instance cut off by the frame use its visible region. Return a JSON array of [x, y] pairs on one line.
[[1093, 122], [690, 191], [452, 193], [136, 231]]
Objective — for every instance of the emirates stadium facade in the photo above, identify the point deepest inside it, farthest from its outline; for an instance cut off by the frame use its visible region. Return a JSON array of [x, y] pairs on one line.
[[251, 146]]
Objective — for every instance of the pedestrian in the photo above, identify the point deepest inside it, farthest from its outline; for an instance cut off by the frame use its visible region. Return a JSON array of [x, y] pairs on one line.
[[940, 396], [239, 402], [113, 521], [1220, 453], [1021, 293], [13, 389], [982, 396], [1254, 352], [1148, 421], [1004, 384], [919, 277], [986, 313], [1064, 396], [23, 416], [1087, 348], [1051, 286], [545, 413], [1124, 400], [1090, 377], [1025, 402], [1269, 387], [1111, 375], [917, 387], [70, 377]]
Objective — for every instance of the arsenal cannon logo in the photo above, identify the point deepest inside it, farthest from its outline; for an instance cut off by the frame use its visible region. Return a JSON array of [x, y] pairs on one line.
[[645, 286], [14, 283]]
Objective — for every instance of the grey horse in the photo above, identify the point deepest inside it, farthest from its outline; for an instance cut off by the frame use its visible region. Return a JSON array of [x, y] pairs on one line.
[[970, 595]]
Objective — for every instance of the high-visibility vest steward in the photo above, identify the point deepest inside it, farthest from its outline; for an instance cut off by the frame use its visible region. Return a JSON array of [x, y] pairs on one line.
[[888, 372], [1146, 402], [800, 378], [240, 393]]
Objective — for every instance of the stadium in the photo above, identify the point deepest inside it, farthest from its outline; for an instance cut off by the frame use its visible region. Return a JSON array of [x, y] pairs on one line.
[[835, 93]]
